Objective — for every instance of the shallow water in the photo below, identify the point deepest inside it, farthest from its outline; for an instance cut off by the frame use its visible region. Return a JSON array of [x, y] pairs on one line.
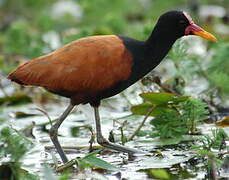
[[172, 157]]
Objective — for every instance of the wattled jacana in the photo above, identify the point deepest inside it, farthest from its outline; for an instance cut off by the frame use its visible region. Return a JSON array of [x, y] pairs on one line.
[[97, 67]]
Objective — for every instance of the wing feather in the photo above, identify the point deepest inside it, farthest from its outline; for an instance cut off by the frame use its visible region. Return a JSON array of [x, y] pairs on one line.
[[89, 64]]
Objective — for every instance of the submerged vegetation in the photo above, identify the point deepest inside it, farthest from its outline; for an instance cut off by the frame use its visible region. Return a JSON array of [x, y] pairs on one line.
[[171, 114], [174, 116]]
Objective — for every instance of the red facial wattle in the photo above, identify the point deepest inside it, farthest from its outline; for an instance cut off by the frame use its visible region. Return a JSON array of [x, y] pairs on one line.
[[192, 28], [196, 30]]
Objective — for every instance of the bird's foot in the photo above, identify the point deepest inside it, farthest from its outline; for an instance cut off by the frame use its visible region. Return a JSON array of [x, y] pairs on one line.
[[105, 143]]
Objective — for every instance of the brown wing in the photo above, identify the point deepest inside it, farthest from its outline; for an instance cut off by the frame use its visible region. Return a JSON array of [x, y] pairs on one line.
[[89, 64]]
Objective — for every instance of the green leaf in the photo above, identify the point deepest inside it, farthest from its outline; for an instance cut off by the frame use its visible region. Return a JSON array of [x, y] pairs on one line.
[[91, 154], [144, 108], [15, 145], [93, 160], [158, 98], [100, 163], [177, 100], [141, 109], [159, 173], [194, 110], [169, 125]]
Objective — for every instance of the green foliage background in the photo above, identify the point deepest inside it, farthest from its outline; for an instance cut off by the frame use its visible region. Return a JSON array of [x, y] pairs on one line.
[[24, 22], [30, 28], [25, 26]]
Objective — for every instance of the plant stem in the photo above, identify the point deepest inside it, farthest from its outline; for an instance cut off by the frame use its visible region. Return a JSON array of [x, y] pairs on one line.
[[66, 165], [47, 148], [46, 114], [141, 124]]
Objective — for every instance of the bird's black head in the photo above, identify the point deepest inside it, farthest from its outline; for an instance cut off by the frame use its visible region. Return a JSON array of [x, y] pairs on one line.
[[175, 24]]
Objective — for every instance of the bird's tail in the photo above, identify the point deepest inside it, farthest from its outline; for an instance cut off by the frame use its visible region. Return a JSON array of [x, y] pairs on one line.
[[19, 75]]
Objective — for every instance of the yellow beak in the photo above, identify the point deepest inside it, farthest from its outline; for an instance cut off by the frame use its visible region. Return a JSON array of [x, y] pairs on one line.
[[196, 30], [206, 35]]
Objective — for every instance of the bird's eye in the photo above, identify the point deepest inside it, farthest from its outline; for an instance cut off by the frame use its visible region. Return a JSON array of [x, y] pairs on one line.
[[182, 22]]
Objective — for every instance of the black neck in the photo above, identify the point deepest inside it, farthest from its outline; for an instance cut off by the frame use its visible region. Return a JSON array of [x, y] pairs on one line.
[[159, 43], [146, 55]]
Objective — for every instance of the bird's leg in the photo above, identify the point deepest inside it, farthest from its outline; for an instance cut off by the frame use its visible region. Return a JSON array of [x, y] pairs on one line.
[[103, 142], [53, 132]]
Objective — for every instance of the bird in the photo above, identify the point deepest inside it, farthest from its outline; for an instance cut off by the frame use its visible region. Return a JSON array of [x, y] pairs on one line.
[[93, 68]]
